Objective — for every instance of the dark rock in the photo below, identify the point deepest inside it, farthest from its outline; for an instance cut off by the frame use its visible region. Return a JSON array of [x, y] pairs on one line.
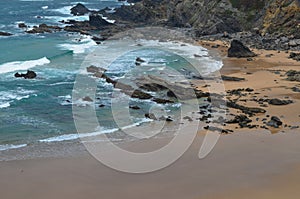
[[150, 116], [169, 119], [79, 10], [242, 120], [135, 107], [237, 49], [279, 102], [162, 101], [43, 28], [228, 78], [87, 99], [97, 71], [22, 25], [295, 56], [212, 128], [293, 75], [274, 122], [247, 110], [96, 20], [188, 118], [29, 75], [6, 34], [138, 94], [215, 46], [296, 89], [138, 59]]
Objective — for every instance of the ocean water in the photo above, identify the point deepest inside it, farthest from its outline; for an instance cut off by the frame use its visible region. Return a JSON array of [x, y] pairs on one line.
[[33, 112]]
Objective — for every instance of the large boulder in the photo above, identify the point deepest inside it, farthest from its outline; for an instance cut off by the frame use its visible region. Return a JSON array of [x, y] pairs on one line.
[[238, 49], [79, 10]]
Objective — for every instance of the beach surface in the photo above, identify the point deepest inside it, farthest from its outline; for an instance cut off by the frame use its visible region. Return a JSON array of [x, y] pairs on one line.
[[248, 163]]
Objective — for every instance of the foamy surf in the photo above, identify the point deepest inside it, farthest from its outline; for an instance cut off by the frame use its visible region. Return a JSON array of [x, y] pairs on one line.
[[11, 146], [22, 65], [82, 46], [69, 137]]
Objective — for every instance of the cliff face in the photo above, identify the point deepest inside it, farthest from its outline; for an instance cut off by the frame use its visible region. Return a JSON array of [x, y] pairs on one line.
[[217, 16], [282, 16]]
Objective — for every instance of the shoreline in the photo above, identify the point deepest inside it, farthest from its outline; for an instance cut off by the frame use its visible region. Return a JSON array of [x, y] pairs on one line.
[[246, 163]]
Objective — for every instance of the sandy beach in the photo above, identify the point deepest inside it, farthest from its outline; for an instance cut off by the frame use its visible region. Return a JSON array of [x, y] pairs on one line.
[[248, 163]]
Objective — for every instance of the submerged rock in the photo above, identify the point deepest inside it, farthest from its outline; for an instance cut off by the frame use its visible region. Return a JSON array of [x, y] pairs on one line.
[[5, 34], [237, 49], [22, 25]]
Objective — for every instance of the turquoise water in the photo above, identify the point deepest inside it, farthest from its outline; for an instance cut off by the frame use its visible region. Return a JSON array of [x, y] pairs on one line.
[[40, 110]]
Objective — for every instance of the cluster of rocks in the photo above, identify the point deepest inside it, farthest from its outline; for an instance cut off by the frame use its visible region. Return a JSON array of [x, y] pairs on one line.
[[43, 28], [258, 41], [295, 56], [293, 75]]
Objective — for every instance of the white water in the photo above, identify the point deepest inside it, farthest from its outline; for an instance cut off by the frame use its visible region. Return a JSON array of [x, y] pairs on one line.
[[22, 65]]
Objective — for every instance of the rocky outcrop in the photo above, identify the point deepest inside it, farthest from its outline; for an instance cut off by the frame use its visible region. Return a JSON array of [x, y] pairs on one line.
[[44, 28], [29, 75], [79, 10], [97, 21], [282, 17], [237, 49]]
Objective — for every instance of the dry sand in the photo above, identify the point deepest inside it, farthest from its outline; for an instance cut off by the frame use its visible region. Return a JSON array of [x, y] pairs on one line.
[[245, 164]]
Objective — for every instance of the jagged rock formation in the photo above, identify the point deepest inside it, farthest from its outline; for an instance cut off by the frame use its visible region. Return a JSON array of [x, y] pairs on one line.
[[217, 16]]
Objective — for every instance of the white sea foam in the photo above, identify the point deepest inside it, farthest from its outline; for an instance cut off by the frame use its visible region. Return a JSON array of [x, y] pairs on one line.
[[11, 146], [68, 137], [4, 104], [45, 7], [7, 97], [64, 10], [83, 46], [22, 65]]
